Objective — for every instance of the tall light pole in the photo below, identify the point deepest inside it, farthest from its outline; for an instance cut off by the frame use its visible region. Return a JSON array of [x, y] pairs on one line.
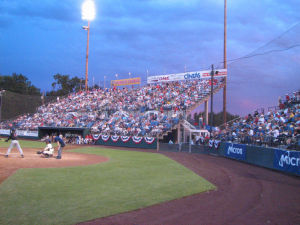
[[88, 13]]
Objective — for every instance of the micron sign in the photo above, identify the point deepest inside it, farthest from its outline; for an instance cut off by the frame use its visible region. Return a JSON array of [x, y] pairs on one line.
[[196, 75]]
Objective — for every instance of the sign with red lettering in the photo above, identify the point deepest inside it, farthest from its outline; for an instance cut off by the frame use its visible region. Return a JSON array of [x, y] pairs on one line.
[[124, 82]]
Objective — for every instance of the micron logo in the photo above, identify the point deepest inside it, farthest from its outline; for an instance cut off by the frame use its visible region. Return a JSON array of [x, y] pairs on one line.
[[286, 159], [235, 150]]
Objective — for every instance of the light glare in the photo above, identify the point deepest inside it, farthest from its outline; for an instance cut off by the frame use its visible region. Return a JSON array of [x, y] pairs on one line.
[[88, 11]]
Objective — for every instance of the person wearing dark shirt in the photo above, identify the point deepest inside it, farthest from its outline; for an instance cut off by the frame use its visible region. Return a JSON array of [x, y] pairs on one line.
[[61, 144], [14, 142]]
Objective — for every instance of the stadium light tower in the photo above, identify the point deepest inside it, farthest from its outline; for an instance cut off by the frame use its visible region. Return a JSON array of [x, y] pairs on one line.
[[88, 13]]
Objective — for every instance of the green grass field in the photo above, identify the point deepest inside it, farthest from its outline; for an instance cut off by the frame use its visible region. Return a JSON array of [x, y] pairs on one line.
[[129, 181], [24, 143]]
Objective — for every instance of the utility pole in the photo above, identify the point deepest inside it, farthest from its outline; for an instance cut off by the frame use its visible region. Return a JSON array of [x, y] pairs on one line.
[[225, 64]]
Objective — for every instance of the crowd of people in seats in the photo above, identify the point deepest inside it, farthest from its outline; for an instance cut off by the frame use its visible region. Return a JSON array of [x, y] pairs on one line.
[[144, 111], [279, 127]]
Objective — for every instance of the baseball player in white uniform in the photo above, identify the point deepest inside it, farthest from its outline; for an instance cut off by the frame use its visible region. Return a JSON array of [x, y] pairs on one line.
[[14, 142]]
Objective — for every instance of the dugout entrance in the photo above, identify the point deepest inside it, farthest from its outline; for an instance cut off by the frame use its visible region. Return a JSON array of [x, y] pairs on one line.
[[65, 131]]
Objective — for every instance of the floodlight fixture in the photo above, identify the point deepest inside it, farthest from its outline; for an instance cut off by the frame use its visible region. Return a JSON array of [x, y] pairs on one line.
[[88, 11]]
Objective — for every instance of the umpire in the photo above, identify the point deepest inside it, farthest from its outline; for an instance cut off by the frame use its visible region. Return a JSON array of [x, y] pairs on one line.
[[14, 138], [61, 144]]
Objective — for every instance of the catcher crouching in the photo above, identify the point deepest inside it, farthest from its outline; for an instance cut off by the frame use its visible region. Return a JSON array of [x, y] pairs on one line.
[[48, 150]]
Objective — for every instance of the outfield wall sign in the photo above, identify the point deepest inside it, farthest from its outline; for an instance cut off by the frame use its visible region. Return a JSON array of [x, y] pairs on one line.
[[185, 76], [24, 133], [28, 133], [288, 161], [4, 132], [235, 151]]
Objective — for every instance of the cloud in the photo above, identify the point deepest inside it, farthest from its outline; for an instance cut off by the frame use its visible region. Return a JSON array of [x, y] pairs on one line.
[[46, 9], [162, 36]]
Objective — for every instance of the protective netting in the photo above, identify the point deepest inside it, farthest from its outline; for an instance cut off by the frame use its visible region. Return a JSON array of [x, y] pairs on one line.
[[15, 104], [265, 74]]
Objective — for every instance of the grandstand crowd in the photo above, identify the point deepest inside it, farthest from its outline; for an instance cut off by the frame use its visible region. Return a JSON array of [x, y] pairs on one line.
[[152, 110], [279, 127], [144, 111]]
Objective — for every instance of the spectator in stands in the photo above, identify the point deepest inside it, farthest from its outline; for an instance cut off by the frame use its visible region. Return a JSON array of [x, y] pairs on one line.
[[97, 109]]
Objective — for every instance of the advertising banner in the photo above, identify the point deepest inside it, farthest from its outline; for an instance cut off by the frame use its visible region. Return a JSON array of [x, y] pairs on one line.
[[28, 133], [288, 161], [4, 132], [131, 81], [218, 73], [196, 75], [25, 133], [235, 151]]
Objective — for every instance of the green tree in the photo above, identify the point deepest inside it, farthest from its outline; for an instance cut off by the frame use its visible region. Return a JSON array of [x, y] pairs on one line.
[[18, 83], [63, 85]]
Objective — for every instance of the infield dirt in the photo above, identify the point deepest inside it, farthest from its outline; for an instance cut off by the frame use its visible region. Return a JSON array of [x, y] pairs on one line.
[[32, 160]]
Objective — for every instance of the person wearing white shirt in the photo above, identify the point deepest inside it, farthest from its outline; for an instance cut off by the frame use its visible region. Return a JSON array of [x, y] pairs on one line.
[[276, 133]]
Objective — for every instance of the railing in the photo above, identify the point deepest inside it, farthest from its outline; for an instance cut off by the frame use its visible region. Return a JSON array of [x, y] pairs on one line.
[[188, 125], [224, 125]]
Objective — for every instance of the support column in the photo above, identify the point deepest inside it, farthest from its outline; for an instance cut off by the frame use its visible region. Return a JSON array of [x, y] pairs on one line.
[[178, 134], [206, 112], [190, 141], [157, 144]]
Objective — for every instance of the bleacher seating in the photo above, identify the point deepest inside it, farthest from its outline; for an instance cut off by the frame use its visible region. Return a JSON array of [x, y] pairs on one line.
[[120, 110], [279, 127]]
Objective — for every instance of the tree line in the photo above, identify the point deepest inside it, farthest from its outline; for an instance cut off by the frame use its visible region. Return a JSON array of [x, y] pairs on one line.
[[19, 83]]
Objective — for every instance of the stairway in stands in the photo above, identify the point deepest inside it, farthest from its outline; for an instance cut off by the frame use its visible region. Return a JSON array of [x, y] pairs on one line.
[[187, 126]]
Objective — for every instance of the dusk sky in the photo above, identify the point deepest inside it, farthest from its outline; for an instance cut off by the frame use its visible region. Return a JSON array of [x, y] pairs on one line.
[[42, 38]]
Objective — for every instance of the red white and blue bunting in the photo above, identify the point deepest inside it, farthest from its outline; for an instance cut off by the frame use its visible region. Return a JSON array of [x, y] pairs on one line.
[[105, 137], [125, 138], [149, 140], [96, 136], [214, 143], [211, 143], [136, 139], [114, 138], [217, 143]]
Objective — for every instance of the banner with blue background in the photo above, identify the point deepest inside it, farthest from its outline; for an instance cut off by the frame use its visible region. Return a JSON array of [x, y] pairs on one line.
[[235, 151], [288, 161]]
